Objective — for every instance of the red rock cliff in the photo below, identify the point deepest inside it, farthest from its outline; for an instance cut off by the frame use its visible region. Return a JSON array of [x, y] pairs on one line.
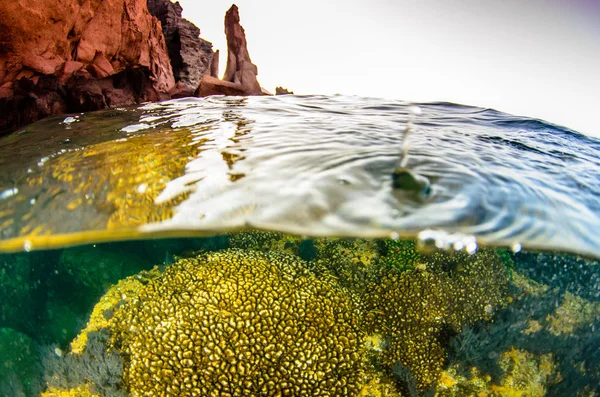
[[240, 68], [64, 56], [240, 73]]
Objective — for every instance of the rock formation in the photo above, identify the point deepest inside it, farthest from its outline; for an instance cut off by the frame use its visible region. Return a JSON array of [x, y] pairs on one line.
[[214, 65], [210, 85], [283, 91], [76, 56], [81, 55], [240, 68], [191, 56]]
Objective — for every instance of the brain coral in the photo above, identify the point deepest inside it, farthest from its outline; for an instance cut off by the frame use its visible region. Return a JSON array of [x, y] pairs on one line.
[[416, 310], [237, 323]]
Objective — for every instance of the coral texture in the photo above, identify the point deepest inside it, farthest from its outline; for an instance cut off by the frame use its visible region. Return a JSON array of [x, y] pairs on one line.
[[240, 323], [259, 320]]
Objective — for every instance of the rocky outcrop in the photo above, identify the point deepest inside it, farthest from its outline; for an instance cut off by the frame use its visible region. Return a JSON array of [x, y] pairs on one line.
[[66, 56], [214, 65], [283, 91], [191, 56], [81, 55], [213, 86], [240, 69]]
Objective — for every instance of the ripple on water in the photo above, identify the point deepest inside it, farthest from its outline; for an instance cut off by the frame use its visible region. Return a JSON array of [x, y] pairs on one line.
[[311, 165]]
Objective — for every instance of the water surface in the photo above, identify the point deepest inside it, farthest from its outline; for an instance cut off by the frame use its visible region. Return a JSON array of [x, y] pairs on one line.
[[310, 165]]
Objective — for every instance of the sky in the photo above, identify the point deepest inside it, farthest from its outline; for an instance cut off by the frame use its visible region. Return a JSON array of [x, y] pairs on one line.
[[536, 58]]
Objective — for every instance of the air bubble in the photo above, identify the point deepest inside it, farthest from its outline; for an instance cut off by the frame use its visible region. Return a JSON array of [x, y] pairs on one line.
[[516, 247], [415, 110], [27, 245], [438, 240]]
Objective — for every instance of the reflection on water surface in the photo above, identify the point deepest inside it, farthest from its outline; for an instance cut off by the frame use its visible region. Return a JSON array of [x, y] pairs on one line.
[[311, 165]]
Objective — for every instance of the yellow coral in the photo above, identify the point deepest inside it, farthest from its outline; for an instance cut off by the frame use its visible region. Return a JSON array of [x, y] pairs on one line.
[[80, 391], [240, 323], [115, 296], [525, 374], [573, 313], [413, 308]]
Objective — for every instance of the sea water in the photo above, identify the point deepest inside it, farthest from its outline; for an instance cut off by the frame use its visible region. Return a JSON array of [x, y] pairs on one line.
[[299, 245]]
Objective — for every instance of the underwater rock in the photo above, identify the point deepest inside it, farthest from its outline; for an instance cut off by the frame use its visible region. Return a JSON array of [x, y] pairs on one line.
[[191, 56], [523, 374], [87, 41], [19, 366], [240, 68], [540, 335]]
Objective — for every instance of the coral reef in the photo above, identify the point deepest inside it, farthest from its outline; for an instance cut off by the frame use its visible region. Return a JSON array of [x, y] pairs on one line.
[[240, 323], [417, 310], [94, 371], [523, 374], [351, 318]]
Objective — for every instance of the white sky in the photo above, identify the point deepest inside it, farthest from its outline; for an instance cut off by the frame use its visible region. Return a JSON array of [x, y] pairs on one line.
[[537, 58]]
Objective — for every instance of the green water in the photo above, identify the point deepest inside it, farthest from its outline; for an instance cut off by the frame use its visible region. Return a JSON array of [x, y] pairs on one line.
[[267, 313]]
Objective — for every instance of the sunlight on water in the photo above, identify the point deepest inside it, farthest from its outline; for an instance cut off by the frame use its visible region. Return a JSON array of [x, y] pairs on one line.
[[310, 165]]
